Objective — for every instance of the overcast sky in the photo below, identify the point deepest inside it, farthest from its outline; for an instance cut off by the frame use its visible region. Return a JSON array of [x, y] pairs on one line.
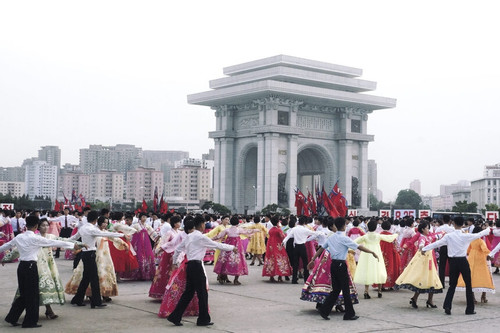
[[108, 72]]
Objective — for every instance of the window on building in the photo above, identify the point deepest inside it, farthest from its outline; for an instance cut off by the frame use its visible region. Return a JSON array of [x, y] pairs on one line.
[[355, 126], [283, 118]]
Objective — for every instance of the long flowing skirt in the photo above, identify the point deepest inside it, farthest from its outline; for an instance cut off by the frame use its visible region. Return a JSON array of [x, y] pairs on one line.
[[173, 292], [105, 271], [162, 276], [231, 263], [123, 261], [145, 258], [9, 235], [420, 275], [70, 254], [319, 283], [276, 261], [392, 263]]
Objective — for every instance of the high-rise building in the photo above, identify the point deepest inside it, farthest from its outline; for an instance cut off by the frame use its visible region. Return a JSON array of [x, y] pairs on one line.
[[487, 189], [107, 185], [77, 181], [162, 160], [141, 183], [416, 186], [12, 174], [51, 155], [459, 186], [15, 189], [120, 158], [372, 179], [41, 180], [191, 180], [491, 170]]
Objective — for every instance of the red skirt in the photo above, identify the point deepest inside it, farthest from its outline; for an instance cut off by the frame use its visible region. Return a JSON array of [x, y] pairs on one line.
[[124, 261]]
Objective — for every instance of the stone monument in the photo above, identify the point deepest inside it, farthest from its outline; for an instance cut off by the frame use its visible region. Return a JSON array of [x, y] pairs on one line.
[[285, 122]]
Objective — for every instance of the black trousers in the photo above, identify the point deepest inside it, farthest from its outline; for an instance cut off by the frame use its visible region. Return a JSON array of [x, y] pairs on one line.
[[459, 265], [196, 281], [340, 281], [299, 252], [89, 276], [65, 233], [443, 259], [27, 278]]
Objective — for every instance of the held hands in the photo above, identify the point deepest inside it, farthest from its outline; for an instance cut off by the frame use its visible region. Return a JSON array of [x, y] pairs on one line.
[[375, 255], [310, 265], [235, 249]]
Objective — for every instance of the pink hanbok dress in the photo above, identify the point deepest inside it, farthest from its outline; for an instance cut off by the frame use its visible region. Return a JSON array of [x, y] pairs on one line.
[[170, 241], [144, 254], [230, 263]]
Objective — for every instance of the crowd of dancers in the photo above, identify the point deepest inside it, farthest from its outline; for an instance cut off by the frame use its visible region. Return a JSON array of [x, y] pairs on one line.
[[176, 252]]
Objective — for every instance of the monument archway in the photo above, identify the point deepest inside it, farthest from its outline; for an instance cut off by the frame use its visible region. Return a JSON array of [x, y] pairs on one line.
[[283, 122]]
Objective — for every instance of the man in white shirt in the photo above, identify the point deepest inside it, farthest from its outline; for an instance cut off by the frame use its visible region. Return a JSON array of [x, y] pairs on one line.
[[457, 243], [89, 232], [443, 250], [18, 223], [299, 234], [194, 246], [68, 222], [29, 244]]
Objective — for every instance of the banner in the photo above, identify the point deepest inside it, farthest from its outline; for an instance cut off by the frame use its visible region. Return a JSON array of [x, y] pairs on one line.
[[424, 213], [352, 212], [7, 206], [385, 213], [400, 213], [491, 215]]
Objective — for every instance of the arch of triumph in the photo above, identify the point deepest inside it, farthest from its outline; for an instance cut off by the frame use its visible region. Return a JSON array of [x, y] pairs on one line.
[[285, 122]]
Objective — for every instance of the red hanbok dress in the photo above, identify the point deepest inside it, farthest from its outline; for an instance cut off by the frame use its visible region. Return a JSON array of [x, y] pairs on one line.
[[276, 261], [170, 241], [9, 235], [392, 260], [408, 246]]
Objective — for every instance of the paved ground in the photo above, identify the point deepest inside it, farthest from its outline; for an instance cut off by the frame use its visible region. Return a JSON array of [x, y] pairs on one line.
[[255, 306]]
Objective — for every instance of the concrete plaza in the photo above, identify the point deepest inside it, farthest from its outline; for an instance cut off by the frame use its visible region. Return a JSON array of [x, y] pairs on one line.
[[255, 306]]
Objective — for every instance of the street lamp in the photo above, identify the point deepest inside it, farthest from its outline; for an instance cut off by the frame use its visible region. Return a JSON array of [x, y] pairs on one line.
[[255, 188]]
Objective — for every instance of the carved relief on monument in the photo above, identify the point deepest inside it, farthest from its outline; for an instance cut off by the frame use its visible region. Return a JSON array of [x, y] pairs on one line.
[[321, 124], [247, 122], [273, 102]]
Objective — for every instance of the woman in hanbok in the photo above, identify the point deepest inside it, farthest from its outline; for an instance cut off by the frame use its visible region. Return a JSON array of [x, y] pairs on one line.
[[392, 259], [177, 283], [495, 240], [421, 275], [230, 263], [371, 270], [353, 233], [6, 233], [408, 245], [105, 269], [144, 252], [124, 261], [319, 283], [481, 278], [54, 225], [168, 243], [276, 261], [221, 278], [257, 245]]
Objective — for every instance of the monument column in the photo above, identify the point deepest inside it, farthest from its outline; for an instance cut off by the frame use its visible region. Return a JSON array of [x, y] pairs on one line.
[[259, 190], [226, 172], [292, 170], [271, 160], [363, 173], [345, 168], [217, 165]]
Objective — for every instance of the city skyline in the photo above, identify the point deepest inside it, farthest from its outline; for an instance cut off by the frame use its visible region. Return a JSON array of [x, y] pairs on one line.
[[124, 78]]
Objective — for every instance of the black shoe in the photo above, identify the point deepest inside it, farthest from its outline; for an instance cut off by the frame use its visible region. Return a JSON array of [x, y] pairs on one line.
[[13, 323], [323, 315], [204, 324], [470, 313], [339, 308], [447, 311], [78, 304], [351, 318], [287, 278], [176, 323], [366, 296], [413, 303], [295, 282], [32, 326], [379, 295], [429, 304], [99, 306]]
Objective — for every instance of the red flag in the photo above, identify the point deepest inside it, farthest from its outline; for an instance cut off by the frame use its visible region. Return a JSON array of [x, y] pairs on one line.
[[78, 207], [338, 200], [144, 207], [155, 200], [163, 206], [328, 204], [298, 201], [57, 206], [73, 196], [66, 201], [311, 202], [82, 200]]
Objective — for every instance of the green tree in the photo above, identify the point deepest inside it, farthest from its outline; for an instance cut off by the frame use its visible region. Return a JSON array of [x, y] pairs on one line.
[[408, 199], [490, 208], [221, 209], [275, 209], [464, 207], [207, 205]]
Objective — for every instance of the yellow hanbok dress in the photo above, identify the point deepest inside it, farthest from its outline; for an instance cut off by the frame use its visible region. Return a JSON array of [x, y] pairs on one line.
[[214, 232], [257, 244], [369, 269], [480, 272]]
